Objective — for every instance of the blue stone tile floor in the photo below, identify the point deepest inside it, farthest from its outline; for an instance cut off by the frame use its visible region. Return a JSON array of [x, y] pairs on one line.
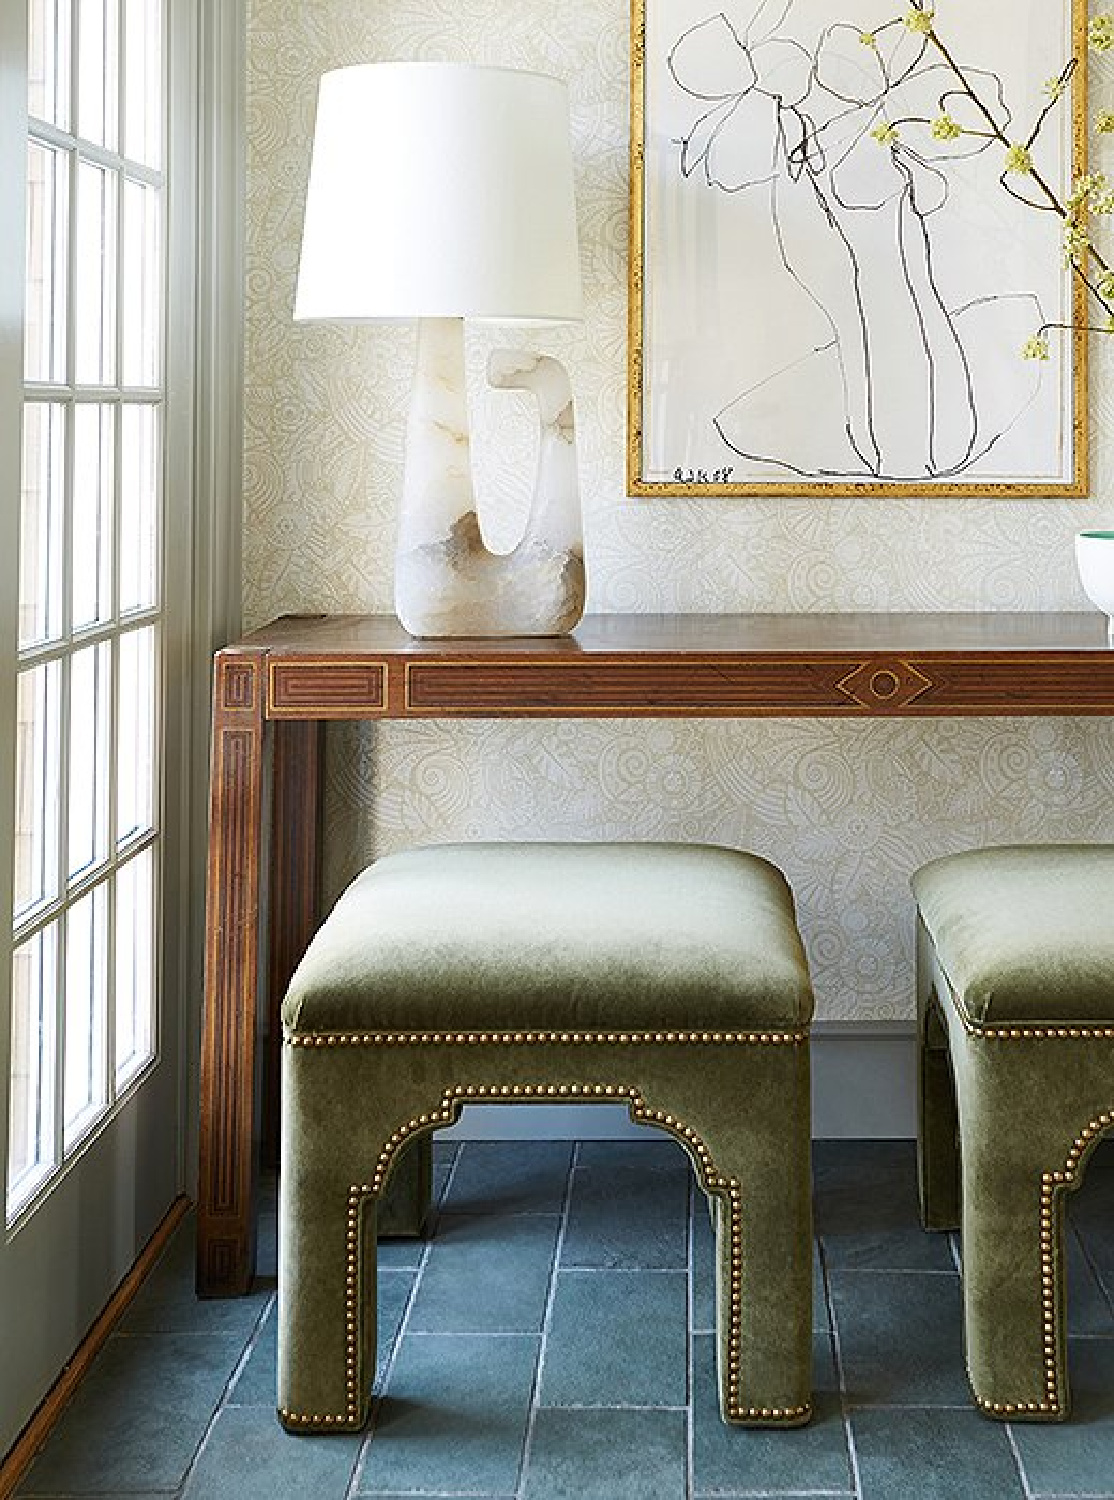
[[553, 1340]]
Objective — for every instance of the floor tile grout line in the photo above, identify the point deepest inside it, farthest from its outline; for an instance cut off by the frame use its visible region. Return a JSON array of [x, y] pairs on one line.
[[1026, 1488], [470, 1333], [547, 1318], [449, 1176], [1095, 1272], [608, 1406], [954, 1251], [798, 1494], [841, 1380], [625, 1271], [795, 1494], [222, 1403], [396, 1495], [891, 1271], [369, 1436]]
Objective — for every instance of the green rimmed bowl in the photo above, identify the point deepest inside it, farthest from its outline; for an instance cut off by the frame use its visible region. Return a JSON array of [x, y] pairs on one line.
[[1094, 556]]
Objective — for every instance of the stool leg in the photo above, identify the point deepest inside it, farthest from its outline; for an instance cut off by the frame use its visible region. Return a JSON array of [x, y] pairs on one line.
[[937, 1123], [764, 1292], [327, 1251], [937, 1129], [404, 1208], [754, 1123], [326, 1308], [1013, 1286]]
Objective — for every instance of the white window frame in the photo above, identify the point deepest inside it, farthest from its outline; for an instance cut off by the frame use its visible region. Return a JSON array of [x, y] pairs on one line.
[[203, 456]]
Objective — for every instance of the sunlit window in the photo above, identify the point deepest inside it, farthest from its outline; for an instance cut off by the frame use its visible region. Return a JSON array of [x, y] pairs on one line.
[[87, 831]]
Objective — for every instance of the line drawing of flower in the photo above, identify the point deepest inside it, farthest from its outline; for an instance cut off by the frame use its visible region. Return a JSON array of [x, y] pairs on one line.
[[853, 134]]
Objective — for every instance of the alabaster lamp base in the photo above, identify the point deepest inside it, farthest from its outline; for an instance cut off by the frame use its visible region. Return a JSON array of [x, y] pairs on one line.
[[457, 587], [447, 581]]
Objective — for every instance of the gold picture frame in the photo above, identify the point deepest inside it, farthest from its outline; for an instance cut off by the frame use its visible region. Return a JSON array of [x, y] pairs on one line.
[[781, 340]]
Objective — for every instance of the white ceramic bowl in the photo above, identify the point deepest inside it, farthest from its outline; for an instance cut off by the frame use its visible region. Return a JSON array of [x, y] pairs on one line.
[[1094, 555]]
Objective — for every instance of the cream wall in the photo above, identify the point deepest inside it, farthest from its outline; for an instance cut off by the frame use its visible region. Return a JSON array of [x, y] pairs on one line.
[[846, 809]]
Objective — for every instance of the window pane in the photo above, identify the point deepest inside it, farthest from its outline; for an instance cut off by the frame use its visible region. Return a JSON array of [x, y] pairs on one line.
[[31, 1111], [48, 47], [37, 786], [97, 77], [139, 493], [40, 522], [143, 90], [86, 1085], [90, 696], [95, 276], [135, 949], [92, 514], [47, 218], [136, 719], [142, 284]]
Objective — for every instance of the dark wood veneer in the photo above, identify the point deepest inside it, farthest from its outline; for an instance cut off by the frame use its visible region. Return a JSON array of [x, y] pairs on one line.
[[696, 665], [326, 688], [227, 1087]]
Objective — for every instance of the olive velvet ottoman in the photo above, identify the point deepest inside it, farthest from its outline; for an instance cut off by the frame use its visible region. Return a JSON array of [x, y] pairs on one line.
[[666, 977], [1016, 1026]]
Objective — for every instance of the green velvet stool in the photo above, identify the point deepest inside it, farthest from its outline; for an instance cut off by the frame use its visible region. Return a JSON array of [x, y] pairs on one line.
[[1016, 1025], [666, 977]]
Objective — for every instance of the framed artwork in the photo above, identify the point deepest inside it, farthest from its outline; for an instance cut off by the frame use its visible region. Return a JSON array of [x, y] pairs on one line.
[[848, 272]]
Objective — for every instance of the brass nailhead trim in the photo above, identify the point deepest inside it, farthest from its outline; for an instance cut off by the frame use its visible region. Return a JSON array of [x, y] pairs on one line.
[[1037, 1033], [1010, 1408], [541, 1038], [1052, 1185], [315, 1419], [445, 1114]]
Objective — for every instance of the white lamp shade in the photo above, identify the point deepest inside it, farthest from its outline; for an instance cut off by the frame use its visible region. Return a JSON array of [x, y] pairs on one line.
[[440, 190]]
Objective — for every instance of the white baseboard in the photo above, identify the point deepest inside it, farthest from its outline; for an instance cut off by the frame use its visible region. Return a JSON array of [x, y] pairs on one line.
[[864, 1086]]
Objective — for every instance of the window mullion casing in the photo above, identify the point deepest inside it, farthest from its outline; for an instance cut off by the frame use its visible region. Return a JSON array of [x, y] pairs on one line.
[[65, 623], [13, 210]]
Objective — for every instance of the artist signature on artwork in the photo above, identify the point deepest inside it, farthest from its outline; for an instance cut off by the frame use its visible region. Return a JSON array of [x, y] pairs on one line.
[[703, 476]]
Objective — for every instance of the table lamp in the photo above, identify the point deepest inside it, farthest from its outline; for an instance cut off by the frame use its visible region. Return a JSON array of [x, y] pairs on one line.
[[444, 191]]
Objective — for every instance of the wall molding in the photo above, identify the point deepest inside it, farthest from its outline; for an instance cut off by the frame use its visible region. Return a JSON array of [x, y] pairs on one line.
[[216, 444]]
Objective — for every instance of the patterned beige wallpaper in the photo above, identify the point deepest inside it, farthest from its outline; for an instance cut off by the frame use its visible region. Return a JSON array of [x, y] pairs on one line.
[[848, 810]]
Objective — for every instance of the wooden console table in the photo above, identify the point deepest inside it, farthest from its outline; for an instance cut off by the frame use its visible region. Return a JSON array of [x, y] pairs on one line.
[[275, 690]]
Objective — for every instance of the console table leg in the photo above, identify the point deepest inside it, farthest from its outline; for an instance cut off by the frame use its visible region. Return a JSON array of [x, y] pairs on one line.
[[237, 835], [298, 758]]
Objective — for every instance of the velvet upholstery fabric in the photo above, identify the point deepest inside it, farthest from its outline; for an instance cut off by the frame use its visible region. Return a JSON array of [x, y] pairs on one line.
[[1014, 1093], [668, 978], [1024, 934], [557, 935]]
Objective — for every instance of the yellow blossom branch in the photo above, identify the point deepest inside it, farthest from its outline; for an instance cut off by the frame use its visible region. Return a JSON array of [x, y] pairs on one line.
[[1013, 156]]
